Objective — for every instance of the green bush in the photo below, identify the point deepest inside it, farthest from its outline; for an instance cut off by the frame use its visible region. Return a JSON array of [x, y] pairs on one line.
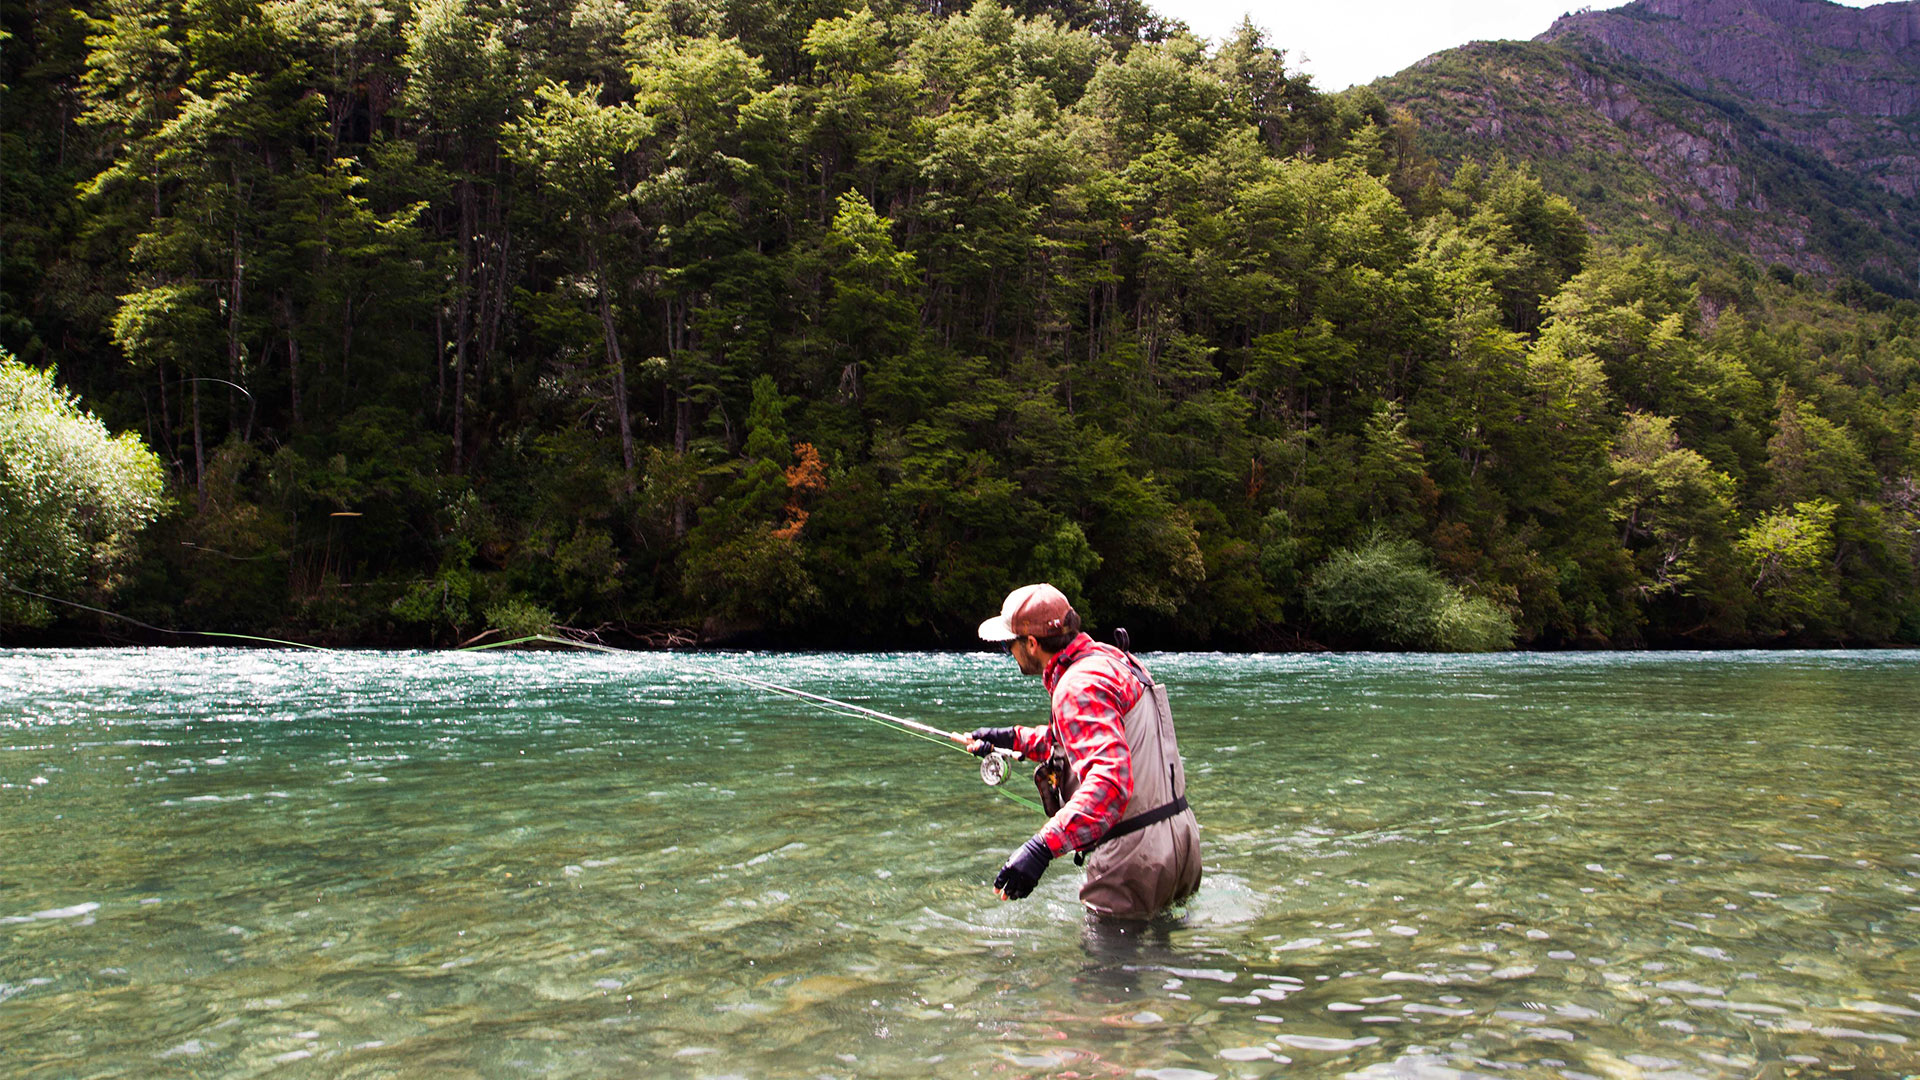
[[518, 617], [1381, 593], [72, 495], [1471, 624]]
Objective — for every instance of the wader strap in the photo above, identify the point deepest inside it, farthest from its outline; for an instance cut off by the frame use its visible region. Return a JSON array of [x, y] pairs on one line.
[[1132, 825]]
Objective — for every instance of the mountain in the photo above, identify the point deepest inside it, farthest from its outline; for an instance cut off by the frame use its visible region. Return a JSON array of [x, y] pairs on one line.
[[1839, 81], [1787, 131]]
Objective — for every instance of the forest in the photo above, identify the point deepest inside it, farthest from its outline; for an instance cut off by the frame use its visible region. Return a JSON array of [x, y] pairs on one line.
[[823, 325]]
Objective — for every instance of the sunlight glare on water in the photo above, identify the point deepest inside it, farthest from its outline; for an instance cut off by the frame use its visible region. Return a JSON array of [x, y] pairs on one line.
[[222, 863]]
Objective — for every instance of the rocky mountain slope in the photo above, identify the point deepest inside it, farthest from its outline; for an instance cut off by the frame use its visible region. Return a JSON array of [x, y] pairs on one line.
[[1843, 82], [1785, 130]]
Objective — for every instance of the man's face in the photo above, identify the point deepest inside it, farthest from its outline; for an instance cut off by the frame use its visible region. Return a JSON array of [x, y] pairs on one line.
[[1027, 655]]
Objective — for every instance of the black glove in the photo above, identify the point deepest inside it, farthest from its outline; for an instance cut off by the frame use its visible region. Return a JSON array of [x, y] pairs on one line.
[[1022, 872], [990, 739]]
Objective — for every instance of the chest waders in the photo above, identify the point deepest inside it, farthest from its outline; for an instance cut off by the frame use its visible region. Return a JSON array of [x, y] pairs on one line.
[[1150, 858]]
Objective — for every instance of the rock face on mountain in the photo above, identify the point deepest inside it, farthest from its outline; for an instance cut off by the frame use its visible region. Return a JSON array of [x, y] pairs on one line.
[[1843, 82], [1784, 130]]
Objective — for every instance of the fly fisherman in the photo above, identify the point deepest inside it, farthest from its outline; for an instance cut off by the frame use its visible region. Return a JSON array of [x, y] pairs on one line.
[[1110, 777]]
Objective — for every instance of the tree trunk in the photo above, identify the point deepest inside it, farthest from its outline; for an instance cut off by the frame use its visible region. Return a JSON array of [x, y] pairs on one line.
[[287, 323], [346, 335], [199, 449], [617, 363], [293, 375], [682, 424], [440, 360], [166, 415], [462, 328], [238, 295], [497, 305], [682, 411]]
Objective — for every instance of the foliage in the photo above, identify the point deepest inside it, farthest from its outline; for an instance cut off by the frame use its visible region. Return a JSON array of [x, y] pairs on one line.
[[1789, 556], [72, 495], [1381, 593], [518, 617], [832, 325], [1674, 510]]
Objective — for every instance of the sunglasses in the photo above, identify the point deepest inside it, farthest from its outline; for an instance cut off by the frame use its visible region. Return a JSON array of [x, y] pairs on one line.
[[1007, 646]]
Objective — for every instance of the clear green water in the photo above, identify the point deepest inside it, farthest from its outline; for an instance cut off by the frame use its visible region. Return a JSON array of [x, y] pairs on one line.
[[230, 863]]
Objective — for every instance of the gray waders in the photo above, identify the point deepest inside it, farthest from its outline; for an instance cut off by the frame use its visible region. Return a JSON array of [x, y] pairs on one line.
[[1150, 859]]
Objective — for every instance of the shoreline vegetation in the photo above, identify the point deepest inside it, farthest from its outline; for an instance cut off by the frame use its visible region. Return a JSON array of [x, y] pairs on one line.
[[711, 322]]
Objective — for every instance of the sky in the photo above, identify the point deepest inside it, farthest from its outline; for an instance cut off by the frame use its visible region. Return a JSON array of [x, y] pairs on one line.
[[1343, 42]]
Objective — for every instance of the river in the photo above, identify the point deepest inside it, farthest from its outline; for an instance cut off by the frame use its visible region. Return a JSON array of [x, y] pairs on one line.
[[235, 863]]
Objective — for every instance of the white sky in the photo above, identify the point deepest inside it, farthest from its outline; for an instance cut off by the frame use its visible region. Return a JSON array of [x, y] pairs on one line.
[[1343, 42]]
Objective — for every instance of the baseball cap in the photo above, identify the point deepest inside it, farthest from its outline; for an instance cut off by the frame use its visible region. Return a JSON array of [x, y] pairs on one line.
[[1037, 610]]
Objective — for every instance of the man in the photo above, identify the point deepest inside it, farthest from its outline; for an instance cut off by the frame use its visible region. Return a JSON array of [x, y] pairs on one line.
[[1112, 777]]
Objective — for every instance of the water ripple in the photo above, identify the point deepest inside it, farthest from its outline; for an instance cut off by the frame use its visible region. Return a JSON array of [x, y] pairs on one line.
[[225, 862]]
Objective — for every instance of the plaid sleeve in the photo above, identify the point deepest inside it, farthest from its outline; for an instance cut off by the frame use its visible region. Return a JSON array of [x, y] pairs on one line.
[[1033, 743], [1090, 718]]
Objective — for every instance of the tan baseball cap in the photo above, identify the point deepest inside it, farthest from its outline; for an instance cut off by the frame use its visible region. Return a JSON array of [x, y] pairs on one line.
[[1037, 610]]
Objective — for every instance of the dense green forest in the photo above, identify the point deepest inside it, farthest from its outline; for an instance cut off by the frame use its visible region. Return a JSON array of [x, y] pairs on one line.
[[816, 324]]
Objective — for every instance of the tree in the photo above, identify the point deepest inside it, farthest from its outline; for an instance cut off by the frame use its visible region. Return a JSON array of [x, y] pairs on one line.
[[1391, 470], [1811, 457], [708, 126], [1674, 510], [911, 303], [461, 84], [1634, 313], [1789, 556], [72, 495], [744, 559], [575, 146]]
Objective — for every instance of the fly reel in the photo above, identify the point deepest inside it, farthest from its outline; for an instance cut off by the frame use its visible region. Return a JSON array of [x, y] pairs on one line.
[[994, 767]]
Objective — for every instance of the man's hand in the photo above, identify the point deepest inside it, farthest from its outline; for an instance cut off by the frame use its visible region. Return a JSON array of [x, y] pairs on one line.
[[986, 740], [1022, 872]]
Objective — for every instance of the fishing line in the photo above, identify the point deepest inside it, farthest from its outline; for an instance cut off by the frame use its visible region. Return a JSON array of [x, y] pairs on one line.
[[845, 708], [162, 629], [833, 706], [253, 406]]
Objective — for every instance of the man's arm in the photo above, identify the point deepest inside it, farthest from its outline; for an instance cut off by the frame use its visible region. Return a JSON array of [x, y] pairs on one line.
[[1034, 744]]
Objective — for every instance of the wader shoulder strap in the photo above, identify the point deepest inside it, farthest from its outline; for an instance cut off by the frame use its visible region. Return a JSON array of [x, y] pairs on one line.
[[1054, 779]]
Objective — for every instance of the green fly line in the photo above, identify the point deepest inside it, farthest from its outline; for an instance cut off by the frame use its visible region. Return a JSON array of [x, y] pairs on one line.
[[161, 629], [817, 701]]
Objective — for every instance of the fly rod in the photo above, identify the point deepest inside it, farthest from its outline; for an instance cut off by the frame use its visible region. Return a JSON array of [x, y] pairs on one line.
[[994, 766]]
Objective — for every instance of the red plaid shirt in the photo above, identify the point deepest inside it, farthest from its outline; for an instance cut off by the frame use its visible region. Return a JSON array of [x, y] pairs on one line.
[[1090, 704]]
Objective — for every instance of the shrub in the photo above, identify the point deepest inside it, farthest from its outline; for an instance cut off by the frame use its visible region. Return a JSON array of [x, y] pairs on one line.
[[1471, 624], [518, 617], [1381, 593], [72, 495]]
